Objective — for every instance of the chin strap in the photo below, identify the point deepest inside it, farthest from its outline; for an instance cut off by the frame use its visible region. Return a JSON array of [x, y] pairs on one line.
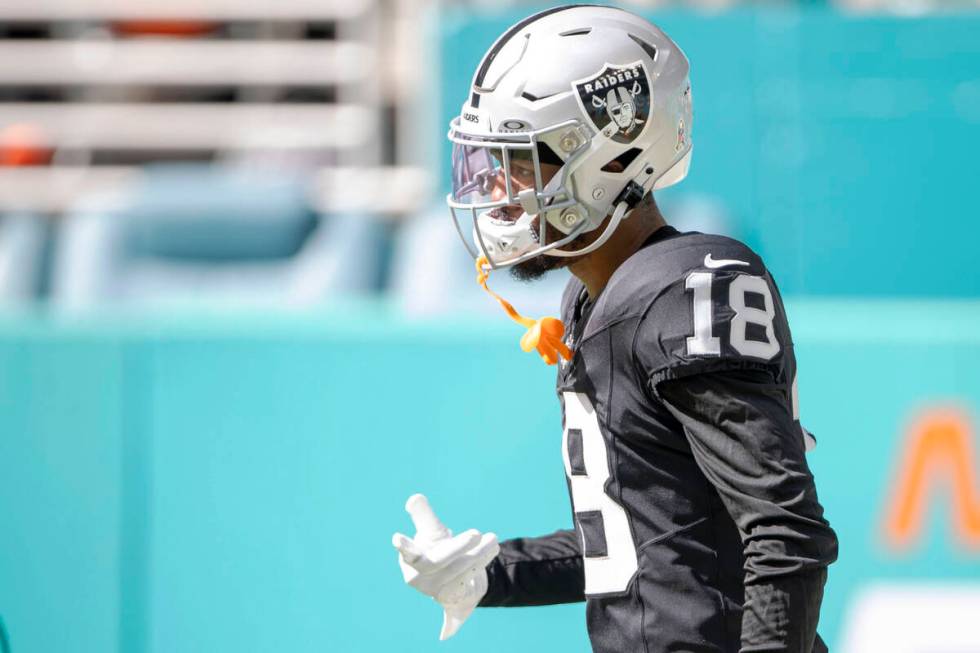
[[545, 334]]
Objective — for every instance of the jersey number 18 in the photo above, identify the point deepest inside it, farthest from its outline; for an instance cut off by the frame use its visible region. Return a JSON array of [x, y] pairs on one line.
[[757, 318]]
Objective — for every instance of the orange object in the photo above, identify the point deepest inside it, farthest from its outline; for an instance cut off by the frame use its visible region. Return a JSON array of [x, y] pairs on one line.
[[24, 144], [150, 27], [545, 335], [938, 452]]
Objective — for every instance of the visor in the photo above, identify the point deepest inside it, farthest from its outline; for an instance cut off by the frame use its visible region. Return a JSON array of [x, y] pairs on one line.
[[497, 170], [486, 174]]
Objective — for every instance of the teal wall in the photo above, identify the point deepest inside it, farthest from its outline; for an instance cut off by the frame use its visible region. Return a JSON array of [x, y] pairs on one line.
[[232, 484], [845, 148]]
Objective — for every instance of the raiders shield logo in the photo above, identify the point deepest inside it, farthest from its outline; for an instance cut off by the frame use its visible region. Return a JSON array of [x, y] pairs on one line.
[[617, 100]]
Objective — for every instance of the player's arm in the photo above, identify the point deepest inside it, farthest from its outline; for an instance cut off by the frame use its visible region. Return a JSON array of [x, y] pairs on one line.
[[471, 569], [714, 347], [537, 571], [748, 445]]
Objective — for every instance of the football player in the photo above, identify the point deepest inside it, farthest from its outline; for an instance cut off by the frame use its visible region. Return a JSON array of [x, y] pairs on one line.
[[697, 524]]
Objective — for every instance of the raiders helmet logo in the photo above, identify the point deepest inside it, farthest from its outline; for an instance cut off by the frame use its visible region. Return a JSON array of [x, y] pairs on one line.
[[617, 100]]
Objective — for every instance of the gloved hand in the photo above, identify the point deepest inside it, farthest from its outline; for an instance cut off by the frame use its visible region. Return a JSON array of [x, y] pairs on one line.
[[452, 570]]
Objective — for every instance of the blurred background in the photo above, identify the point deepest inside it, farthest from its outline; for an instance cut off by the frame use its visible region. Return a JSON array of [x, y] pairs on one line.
[[237, 329]]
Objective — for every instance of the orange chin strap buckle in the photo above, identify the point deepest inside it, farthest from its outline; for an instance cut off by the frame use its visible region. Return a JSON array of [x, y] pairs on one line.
[[545, 334]]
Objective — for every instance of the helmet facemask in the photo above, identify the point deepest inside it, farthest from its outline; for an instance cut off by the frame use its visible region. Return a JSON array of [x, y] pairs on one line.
[[494, 174]]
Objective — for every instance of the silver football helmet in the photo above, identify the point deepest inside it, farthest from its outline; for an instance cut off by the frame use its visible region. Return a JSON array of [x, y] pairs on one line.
[[596, 92]]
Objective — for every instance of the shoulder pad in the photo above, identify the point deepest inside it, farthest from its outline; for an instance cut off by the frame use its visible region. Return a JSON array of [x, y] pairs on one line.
[[663, 265]]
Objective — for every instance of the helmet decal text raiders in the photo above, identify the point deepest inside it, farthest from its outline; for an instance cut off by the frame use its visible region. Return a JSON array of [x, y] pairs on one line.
[[617, 100]]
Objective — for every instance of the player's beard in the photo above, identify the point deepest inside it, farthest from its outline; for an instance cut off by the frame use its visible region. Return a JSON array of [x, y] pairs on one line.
[[535, 268]]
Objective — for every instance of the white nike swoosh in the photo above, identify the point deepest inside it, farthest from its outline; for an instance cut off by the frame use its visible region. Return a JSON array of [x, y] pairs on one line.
[[722, 262]]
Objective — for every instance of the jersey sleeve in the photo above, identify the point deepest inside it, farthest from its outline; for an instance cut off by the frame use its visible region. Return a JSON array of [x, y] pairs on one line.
[[537, 571], [706, 319], [747, 444]]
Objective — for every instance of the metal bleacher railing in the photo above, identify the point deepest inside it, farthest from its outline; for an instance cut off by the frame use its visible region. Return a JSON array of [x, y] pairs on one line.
[[299, 81]]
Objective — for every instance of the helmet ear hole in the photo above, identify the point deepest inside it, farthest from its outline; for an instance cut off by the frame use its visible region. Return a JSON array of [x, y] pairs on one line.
[[621, 162]]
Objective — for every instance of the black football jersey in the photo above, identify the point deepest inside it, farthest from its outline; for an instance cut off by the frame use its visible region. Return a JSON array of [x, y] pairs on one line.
[[666, 507]]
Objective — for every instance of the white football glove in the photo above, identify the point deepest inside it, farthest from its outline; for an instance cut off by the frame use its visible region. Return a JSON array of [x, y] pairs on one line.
[[452, 570]]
